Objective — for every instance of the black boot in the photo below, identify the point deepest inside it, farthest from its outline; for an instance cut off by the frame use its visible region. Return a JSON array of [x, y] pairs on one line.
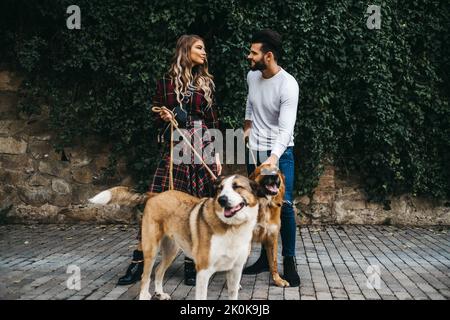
[[134, 271], [189, 272], [290, 271], [261, 265]]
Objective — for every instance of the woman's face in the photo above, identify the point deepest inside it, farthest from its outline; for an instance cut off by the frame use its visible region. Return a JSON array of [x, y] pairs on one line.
[[198, 53]]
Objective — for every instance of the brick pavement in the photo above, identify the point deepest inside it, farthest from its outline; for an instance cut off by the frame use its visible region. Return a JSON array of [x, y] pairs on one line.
[[334, 262]]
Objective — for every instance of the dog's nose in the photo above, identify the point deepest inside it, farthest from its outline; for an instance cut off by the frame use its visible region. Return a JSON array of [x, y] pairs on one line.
[[223, 200]]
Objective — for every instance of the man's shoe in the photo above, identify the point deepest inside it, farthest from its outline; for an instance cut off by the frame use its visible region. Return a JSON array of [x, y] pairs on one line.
[[290, 271], [190, 274], [261, 265], [134, 271]]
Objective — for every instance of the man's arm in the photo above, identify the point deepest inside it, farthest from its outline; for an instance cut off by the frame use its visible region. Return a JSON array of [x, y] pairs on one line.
[[286, 121], [248, 116]]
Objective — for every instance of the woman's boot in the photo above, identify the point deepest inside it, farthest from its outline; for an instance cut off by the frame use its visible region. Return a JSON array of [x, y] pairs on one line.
[[189, 272], [134, 271]]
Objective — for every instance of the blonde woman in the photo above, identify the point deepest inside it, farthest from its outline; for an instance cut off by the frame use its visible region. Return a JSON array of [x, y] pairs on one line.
[[187, 90]]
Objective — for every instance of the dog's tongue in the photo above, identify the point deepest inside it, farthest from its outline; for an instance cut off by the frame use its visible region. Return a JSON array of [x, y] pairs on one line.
[[272, 188], [229, 212]]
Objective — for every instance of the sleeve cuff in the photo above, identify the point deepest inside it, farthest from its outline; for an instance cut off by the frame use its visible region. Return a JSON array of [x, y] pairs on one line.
[[278, 151]]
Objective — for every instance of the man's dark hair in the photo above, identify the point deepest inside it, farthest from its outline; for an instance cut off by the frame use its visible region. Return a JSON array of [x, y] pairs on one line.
[[271, 41]]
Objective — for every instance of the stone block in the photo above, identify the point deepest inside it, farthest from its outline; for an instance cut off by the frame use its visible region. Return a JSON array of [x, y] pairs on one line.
[[46, 213], [354, 205], [55, 168], [60, 186], [19, 162], [39, 180], [35, 196], [43, 150], [11, 127], [303, 200], [78, 156], [8, 106], [83, 175], [13, 177], [10, 81], [323, 197], [12, 146]]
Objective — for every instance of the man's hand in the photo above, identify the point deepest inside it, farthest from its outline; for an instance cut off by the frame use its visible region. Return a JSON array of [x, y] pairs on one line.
[[246, 135], [247, 128], [272, 160]]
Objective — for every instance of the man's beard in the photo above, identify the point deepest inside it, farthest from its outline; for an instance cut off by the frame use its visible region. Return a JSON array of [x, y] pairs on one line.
[[259, 65]]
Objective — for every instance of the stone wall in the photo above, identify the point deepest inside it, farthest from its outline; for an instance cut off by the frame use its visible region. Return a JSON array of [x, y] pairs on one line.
[[38, 184], [340, 199]]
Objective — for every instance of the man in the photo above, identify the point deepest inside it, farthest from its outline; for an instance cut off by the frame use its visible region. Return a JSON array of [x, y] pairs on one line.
[[270, 117]]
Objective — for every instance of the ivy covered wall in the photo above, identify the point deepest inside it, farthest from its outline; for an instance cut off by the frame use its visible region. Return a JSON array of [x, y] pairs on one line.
[[375, 102]]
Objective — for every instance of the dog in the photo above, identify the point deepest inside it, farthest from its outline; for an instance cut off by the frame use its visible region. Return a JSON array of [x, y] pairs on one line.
[[215, 232], [271, 181]]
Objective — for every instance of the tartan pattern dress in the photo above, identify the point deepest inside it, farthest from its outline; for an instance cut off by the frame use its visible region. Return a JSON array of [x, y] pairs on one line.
[[190, 177]]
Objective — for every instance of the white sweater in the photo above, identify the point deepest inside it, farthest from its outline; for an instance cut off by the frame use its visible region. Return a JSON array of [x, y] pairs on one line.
[[272, 108]]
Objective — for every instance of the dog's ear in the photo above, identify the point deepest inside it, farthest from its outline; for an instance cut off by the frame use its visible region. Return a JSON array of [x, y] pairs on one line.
[[217, 183], [257, 189], [283, 178]]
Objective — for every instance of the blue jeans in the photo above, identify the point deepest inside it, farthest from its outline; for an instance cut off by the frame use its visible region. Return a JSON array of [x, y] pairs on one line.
[[288, 225]]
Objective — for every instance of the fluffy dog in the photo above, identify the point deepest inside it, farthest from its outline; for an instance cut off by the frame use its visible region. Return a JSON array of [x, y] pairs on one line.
[[216, 232]]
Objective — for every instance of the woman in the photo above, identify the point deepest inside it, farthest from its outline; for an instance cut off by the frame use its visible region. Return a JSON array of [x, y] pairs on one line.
[[187, 90]]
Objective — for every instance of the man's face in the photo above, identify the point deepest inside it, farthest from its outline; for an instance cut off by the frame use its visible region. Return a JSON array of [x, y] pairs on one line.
[[256, 57]]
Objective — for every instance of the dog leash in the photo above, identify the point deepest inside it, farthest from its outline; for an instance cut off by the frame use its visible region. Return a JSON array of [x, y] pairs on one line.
[[251, 152], [174, 124]]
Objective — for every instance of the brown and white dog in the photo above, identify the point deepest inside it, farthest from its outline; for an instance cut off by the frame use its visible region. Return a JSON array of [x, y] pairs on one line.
[[271, 180], [216, 232]]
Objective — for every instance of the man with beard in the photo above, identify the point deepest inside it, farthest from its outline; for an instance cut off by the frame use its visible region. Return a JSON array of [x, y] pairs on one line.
[[270, 117]]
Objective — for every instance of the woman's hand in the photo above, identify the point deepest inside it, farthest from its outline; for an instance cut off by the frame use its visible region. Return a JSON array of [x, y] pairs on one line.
[[165, 115], [218, 164]]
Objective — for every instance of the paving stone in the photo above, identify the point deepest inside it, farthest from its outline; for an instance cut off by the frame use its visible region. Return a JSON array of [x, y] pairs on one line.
[[414, 263]]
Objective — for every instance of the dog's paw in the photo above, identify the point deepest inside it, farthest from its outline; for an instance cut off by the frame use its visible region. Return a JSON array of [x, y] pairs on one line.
[[279, 282], [162, 296], [145, 296]]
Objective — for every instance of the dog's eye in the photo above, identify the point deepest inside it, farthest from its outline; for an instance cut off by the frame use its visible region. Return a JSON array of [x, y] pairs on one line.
[[236, 186]]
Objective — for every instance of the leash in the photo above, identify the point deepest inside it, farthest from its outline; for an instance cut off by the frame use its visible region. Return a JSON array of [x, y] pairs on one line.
[[254, 160], [251, 152], [174, 124]]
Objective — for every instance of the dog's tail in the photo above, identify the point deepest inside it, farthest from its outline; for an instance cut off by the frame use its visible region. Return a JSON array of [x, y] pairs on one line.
[[122, 196]]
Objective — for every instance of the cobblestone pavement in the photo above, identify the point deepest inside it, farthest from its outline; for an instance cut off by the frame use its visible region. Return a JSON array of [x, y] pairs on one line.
[[334, 262]]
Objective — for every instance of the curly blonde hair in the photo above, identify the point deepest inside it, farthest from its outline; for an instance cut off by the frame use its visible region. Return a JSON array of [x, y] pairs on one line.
[[183, 72]]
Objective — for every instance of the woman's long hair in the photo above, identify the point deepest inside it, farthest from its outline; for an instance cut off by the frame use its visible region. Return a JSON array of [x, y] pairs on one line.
[[183, 73]]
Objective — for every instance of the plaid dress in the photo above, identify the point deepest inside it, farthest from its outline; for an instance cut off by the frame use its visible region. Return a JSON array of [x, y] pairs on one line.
[[190, 176]]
